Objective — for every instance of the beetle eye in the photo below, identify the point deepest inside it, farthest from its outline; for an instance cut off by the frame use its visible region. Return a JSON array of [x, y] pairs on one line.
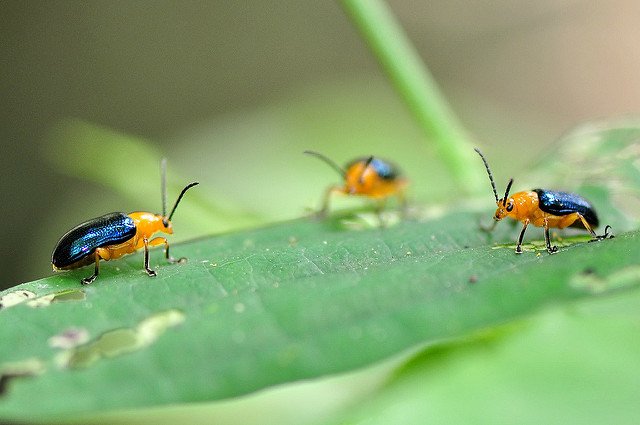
[[165, 222], [510, 207]]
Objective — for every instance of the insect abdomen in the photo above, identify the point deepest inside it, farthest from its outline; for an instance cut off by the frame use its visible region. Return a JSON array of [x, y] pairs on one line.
[[81, 241], [563, 203]]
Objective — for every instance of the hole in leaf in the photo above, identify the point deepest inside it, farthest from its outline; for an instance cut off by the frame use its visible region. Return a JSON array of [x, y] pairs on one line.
[[66, 295], [120, 341], [15, 298], [32, 300], [69, 338]]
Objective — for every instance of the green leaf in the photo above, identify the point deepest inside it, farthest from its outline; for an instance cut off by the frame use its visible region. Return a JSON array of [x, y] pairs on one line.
[[292, 301]]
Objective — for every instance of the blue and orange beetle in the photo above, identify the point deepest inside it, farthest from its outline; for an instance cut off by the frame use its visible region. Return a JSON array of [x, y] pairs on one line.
[[370, 176], [115, 234], [544, 208]]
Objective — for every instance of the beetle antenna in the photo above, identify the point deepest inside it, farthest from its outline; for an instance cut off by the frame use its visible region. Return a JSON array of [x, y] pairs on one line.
[[163, 185], [366, 165], [493, 183], [187, 187], [328, 161], [506, 192]]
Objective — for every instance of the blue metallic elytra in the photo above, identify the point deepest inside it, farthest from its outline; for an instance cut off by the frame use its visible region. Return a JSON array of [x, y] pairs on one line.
[[76, 246], [563, 203], [385, 170]]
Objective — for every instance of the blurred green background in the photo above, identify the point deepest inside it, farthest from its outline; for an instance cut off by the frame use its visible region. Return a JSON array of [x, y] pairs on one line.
[[232, 92]]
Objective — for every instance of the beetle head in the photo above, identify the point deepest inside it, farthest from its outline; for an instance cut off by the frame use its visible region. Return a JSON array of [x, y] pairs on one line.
[[360, 177], [166, 225], [506, 205]]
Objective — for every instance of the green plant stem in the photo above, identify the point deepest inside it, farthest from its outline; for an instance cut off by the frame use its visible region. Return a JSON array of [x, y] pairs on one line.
[[416, 86]]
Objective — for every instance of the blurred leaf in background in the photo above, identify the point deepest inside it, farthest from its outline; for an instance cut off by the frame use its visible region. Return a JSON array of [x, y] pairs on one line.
[[517, 74], [131, 166]]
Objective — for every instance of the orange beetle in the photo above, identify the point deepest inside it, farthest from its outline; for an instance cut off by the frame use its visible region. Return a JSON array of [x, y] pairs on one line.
[[115, 234], [369, 176], [544, 208]]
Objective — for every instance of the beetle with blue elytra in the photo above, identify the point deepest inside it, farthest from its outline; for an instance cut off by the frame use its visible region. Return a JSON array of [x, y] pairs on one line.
[[116, 234], [369, 176], [545, 208]]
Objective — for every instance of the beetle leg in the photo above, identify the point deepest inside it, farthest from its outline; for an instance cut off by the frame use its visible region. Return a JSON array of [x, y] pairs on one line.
[[588, 226], [594, 236], [158, 241], [146, 258], [547, 240], [606, 233], [519, 246], [88, 280], [322, 213], [404, 206], [380, 204], [170, 259]]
